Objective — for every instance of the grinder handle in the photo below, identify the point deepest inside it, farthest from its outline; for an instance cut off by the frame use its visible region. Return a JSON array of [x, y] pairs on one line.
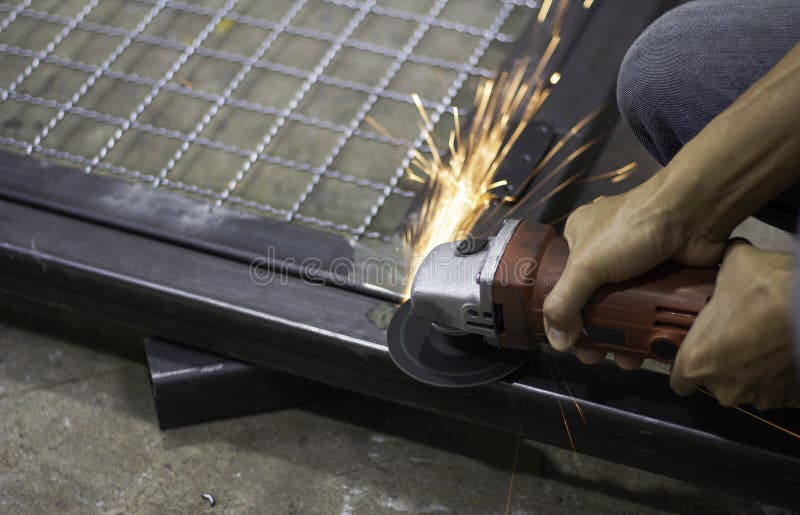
[[648, 316]]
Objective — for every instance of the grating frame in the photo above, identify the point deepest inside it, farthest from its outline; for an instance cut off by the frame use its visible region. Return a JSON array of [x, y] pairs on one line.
[[298, 110]]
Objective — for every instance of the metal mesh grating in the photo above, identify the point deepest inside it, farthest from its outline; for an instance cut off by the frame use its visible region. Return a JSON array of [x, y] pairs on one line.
[[263, 105]]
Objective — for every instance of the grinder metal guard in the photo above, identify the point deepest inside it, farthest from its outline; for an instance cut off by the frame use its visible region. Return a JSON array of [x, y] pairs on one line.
[[476, 307]]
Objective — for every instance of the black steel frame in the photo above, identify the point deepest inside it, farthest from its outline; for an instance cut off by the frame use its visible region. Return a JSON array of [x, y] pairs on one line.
[[104, 247]]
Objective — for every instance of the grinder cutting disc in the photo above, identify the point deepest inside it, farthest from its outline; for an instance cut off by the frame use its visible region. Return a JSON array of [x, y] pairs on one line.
[[438, 359]]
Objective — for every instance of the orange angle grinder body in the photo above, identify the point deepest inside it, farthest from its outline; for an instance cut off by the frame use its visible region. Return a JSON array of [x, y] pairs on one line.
[[475, 309]]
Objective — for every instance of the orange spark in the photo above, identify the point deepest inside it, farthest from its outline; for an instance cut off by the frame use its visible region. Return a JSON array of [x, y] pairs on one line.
[[516, 455], [546, 4], [572, 398], [760, 419], [566, 426], [460, 187], [618, 175]]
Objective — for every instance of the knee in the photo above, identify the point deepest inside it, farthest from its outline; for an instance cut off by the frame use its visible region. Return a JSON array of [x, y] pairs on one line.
[[640, 84], [659, 82]]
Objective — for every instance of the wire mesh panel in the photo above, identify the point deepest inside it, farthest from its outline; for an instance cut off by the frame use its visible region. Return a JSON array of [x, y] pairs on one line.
[[299, 110]]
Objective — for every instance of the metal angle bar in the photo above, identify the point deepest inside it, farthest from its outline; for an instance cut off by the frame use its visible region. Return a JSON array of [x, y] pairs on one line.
[[480, 49], [228, 91], [298, 97], [51, 46], [412, 42], [142, 283], [202, 51]]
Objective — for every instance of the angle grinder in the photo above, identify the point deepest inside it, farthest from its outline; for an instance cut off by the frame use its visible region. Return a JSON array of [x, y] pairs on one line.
[[475, 309]]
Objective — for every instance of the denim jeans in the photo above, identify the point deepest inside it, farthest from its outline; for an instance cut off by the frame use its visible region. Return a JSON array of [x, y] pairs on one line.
[[693, 62]]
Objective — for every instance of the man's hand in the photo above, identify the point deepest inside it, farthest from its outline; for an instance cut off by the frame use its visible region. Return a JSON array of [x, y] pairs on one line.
[[614, 239], [740, 161], [740, 345]]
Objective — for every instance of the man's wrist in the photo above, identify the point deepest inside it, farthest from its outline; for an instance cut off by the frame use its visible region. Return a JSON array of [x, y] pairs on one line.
[[705, 195], [668, 205]]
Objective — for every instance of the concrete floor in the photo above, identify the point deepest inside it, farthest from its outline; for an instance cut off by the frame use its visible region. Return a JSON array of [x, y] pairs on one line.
[[79, 434]]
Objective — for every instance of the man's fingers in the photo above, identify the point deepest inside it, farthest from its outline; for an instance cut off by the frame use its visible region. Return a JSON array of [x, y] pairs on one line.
[[770, 399], [684, 378], [695, 364], [590, 356], [733, 243], [681, 384], [563, 305], [730, 391], [595, 356], [628, 362]]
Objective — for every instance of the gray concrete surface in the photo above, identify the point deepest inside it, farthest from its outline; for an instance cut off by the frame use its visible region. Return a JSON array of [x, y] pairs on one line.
[[78, 434]]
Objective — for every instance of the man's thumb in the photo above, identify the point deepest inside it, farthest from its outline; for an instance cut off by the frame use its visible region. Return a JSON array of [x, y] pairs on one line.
[[562, 307]]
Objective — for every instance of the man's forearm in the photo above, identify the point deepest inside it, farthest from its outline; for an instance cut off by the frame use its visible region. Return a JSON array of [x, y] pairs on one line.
[[740, 161]]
